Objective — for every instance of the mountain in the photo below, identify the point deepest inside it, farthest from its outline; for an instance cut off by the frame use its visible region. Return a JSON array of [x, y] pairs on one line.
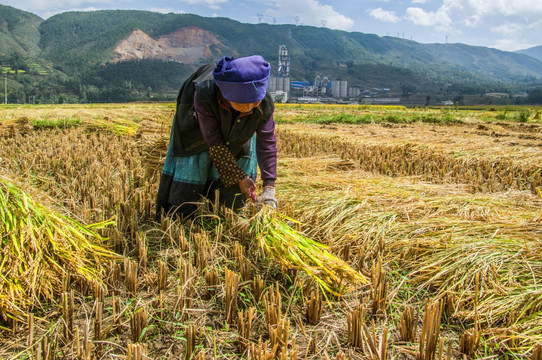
[[493, 63], [119, 55], [97, 37], [19, 31], [535, 52]]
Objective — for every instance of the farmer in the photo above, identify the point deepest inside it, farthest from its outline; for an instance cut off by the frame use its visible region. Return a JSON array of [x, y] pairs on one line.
[[222, 130]]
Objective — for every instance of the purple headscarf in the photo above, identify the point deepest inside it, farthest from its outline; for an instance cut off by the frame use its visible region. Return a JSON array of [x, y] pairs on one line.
[[242, 80]]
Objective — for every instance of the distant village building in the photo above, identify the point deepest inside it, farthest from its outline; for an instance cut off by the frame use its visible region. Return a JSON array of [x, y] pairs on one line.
[[372, 100], [498, 95], [354, 91], [307, 100], [448, 103], [279, 96]]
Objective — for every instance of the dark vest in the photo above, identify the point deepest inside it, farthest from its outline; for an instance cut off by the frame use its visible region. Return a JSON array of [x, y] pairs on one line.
[[236, 132]]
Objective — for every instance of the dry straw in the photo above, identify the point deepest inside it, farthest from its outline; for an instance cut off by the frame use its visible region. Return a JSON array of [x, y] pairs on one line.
[[293, 250], [244, 327], [40, 246], [314, 308], [407, 325], [429, 337], [232, 290]]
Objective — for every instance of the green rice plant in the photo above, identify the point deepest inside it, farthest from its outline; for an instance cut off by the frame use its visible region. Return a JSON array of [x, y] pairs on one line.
[[39, 248], [293, 250], [341, 118], [62, 123], [119, 126], [523, 115]]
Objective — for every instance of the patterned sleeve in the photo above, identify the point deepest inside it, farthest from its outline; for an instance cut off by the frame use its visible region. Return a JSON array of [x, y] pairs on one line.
[[229, 172]]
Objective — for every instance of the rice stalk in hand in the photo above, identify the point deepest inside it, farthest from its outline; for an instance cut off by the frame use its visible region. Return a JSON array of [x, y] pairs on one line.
[[295, 251], [39, 246]]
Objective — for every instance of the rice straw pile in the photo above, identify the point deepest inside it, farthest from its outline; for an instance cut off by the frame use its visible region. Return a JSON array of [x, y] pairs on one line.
[[295, 251], [40, 247]]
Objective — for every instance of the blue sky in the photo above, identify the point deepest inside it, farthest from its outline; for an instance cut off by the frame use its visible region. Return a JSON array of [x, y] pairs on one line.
[[503, 24]]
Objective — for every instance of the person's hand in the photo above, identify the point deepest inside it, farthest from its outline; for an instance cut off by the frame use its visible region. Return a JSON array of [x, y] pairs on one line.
[[247, 186], [268, 198]]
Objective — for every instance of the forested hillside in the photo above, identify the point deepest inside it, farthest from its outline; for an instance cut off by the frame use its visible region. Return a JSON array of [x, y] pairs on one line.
[[73, 57], [502, 65], [19, 31]]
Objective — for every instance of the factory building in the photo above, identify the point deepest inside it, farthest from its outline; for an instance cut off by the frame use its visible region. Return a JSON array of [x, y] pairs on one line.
[[339, 88], [279, 84], [320, 90]]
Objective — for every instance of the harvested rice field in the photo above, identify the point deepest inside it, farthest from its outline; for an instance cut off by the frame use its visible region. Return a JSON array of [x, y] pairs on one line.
[[430, 221]]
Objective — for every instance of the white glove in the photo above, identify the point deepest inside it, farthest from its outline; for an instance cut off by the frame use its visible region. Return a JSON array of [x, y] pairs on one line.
[[268, 198]]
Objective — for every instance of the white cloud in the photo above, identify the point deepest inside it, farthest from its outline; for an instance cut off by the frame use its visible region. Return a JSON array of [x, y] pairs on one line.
[[514, 24], [46, 8], [516, 36], [438, 19], [384, 15], [507, 8], [512, 44], [311, 12], [508, 28], [47, 14], [213, 4], [419, 1], [481, 12], [166, 10]]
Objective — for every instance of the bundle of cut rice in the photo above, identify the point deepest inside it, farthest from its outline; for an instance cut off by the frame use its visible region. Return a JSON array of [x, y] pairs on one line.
[[293, 250], [40, 246]]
